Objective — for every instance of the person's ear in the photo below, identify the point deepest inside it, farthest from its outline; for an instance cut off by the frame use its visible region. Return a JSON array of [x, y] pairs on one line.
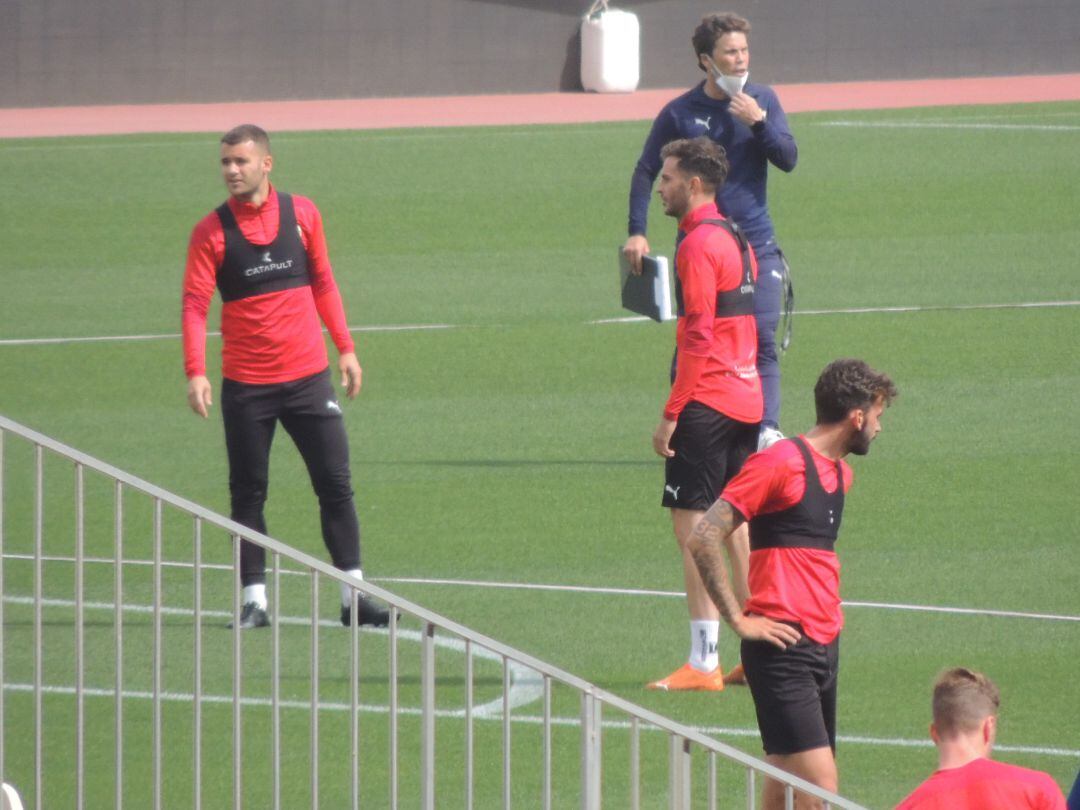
[[857, 417]]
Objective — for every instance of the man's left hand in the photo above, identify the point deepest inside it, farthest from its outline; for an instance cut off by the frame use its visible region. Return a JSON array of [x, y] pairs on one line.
[[746, 109], [350, 374]]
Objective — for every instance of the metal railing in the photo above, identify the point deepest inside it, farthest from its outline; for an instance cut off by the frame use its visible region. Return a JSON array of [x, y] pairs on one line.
[[455, 730]]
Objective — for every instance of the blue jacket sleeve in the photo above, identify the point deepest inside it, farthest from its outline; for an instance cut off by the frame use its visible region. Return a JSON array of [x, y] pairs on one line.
[[776, 137], [648, 167]]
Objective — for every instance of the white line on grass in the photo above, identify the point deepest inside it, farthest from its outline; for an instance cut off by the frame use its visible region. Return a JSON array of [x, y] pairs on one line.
[[886, 310], [586, 589], [411, 327], [947, 125], [597, 322], [526, 685], [305, 705], [528, 586]]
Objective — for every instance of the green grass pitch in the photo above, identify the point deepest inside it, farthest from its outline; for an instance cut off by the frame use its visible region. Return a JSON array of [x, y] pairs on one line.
[[513, 445]]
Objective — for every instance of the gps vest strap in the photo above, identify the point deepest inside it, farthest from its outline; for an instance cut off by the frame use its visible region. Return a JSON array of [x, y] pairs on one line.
[[737, 301], [248, 270]]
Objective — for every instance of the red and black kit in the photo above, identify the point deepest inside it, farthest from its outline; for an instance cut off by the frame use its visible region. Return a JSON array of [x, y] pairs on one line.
[[270, 264], [793, 498]]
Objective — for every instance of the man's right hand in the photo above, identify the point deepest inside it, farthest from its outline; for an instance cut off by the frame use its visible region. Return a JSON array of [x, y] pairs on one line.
[[199, 396], [636, 247]]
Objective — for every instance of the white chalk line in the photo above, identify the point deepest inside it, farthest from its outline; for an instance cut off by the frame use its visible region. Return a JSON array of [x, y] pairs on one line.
[[557, 588], [596, 322], [526, 685], [887, 310], [526, 688], [414, 327], [555, 720], [948, 125]]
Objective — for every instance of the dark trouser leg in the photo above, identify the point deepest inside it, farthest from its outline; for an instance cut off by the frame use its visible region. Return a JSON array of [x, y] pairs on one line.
[[249, 432], [322, 442], [767, 295]]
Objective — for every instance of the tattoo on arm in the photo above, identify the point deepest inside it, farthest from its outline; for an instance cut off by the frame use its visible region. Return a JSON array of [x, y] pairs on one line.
[[707, 548]]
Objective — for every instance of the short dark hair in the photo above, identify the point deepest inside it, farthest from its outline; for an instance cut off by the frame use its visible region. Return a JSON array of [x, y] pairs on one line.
[[963, 698], [699, 157], [245, 133], [714, 26], [848, 384]]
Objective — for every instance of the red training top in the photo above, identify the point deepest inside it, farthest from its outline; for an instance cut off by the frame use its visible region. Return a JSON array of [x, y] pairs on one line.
[[790, 584], [270, 338], [717, 363], [983, 784]]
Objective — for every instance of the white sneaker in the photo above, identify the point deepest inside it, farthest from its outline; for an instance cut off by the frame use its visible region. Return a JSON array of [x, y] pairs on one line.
[[768, 437]]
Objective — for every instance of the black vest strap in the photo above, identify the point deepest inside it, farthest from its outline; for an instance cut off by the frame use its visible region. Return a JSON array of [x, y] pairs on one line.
[[248, 270], [814, 522], [735, 302]]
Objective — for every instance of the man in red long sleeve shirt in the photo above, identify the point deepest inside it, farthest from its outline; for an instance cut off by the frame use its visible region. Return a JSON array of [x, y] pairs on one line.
[[266, 252], [711, 420]]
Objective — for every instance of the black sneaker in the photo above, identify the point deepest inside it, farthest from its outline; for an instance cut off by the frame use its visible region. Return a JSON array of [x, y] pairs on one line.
[[369, 612], [252, 616]]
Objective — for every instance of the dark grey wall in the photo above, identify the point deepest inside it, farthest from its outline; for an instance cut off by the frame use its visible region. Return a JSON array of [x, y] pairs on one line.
[[58, 52]]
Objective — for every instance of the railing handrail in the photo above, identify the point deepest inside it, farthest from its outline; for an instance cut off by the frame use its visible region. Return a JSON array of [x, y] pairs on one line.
[[430, 617]]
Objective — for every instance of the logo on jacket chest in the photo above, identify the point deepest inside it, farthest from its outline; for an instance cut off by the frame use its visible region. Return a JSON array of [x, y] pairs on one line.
[[701, 125]]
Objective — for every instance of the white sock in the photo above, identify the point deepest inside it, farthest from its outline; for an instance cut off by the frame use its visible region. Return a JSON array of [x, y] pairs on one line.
[[346, 591], [255, 593], [704, 636]]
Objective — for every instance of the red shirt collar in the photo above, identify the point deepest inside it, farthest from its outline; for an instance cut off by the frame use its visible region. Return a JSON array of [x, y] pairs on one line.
[[247, 209], [693, 219]]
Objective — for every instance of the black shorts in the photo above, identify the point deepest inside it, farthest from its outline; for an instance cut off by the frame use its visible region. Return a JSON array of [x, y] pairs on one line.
[[710, 448], [794, 693]]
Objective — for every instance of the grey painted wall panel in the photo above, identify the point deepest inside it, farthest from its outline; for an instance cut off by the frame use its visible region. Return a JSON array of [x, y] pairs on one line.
[[55, 52]]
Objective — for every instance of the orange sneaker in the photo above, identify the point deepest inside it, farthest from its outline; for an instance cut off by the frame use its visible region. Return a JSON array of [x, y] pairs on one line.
[[735, 677], [686, 678]]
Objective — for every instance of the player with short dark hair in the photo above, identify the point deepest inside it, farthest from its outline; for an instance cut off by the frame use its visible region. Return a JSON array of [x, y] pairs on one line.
[[965, 709], [711, 418], [749, 122], [265, 251], [792, 496]]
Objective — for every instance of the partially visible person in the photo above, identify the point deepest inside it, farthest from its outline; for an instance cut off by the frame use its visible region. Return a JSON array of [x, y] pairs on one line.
[[748, 121], [792, 495], [710, 421], [964, 727], [265, 251]]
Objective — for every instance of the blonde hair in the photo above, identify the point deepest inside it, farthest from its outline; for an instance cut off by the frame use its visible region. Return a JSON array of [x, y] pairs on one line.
[[963, 698]]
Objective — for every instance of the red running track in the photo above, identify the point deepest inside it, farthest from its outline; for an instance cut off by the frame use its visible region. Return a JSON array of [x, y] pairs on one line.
[[538, 108]]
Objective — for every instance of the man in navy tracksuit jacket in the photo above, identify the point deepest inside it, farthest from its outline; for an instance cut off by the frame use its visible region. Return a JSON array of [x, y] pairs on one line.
[[748, 121]]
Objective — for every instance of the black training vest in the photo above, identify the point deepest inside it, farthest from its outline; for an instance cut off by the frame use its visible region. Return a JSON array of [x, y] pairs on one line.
[[729, 303], [813, 522], [249, 270]]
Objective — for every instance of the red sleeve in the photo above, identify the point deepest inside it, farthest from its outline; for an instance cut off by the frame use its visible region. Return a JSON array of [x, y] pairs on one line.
[[688, 371], [205, 249], [698, 279], [694, 336], [759, 486], [323, 286]]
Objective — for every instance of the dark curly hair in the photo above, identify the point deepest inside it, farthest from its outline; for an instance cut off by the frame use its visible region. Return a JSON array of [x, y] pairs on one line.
[[848, 384], [699, 157]]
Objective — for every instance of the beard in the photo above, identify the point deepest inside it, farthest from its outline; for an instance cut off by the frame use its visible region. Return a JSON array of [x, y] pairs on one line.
[[860, 442]]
